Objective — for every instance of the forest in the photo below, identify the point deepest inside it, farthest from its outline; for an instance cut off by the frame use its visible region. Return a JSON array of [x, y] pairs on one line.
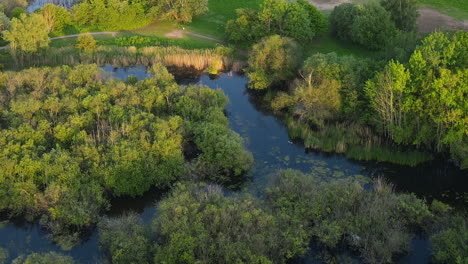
[[358, 83]]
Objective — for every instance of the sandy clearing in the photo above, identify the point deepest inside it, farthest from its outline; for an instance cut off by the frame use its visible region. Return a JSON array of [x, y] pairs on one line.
[[431, 19]]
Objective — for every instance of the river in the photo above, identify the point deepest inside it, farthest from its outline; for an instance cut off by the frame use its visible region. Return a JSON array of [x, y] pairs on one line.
[[267, 138]]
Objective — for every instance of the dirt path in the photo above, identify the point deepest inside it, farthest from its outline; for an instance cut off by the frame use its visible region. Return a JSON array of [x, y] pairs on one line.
[[431, 19]]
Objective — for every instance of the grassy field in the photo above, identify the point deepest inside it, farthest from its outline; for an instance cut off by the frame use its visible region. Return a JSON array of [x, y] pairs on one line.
[[455, 8], [151, 38], [327, 44], [220, 11]]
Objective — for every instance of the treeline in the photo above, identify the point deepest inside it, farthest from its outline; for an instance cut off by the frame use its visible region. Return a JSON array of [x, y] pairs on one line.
[[355, 106], [71, 138], [198, 223]]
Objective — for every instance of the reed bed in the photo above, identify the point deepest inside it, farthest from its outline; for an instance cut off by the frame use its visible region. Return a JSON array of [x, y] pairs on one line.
[[212, 60]]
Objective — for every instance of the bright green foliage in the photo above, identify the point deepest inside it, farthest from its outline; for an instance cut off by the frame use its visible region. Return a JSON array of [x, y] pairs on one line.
[[28, 34], [103, 15], [426, 103], [273, 59], [377, 222], [44, 258], [125, 239], [404, 13], [56, 17], [198, 224], [68, 136], [298, 20], [451, 242], [182, 10], [368, 25], [86, 43]]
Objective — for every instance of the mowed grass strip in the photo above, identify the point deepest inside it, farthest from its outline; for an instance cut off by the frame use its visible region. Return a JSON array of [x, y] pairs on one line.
[[457, 9]]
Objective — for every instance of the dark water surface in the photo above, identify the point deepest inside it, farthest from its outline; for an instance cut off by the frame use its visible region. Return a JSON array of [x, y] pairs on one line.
[[267, 138]]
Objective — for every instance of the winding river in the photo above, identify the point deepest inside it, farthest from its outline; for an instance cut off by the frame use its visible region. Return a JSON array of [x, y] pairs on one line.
[[267, 138]]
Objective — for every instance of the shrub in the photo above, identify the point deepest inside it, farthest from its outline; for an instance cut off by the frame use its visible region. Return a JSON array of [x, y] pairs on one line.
[[404, 13], [368, 25], [86, 43], [273, 59], [125, 239], [44, 258], [198, 224], [451, 242]]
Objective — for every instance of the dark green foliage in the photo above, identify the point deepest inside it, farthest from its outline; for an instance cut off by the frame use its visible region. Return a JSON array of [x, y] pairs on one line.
[[450, 242], [125, 239], [298, 20], [198, 224], [368, 25], [44, 258], [273, 59], [17, 11], [377, 222], [181, 10], [404, 13]]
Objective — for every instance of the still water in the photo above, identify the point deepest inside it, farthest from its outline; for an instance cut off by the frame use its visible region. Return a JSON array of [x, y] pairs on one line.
[[36, 4], [267, 138]]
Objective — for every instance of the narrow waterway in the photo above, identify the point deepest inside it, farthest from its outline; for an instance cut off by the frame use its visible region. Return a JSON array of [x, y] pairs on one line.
[[267, 138], [36, 4]]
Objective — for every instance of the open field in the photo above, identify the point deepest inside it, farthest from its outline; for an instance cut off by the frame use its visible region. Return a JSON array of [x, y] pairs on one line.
[[455, 8]]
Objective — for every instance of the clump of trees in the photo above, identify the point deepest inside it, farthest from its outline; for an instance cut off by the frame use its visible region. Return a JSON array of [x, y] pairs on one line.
[[373, 25], [338, 104], [197, 222], [369, 25], [299, 20], [71, 136], [27, 35], [424, 103], [86, 43], [182, 10], [272, 60]]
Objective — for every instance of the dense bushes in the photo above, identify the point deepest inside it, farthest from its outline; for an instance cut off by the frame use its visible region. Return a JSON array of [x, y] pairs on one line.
[[369, 25], [450, 241], [44, 258], [197, 223], [404, 13], [298, 20], [181, 10], [125, 239], [274, 59], [69, 136], [376, 223]]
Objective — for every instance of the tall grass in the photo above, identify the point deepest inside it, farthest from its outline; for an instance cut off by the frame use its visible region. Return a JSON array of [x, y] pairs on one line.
[[355, 141], [214, 60]]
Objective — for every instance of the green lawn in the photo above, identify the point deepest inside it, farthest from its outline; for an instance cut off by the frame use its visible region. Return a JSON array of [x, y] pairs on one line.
[[455, 8], [220, 11]]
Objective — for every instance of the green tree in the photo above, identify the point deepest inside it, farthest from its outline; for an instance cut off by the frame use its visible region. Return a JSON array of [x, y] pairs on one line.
[[372, 28], [182, 10], [27, 35], [273, 59], [404, 13], [369, 25], [55, 17], [450, 243], [86, 43]]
